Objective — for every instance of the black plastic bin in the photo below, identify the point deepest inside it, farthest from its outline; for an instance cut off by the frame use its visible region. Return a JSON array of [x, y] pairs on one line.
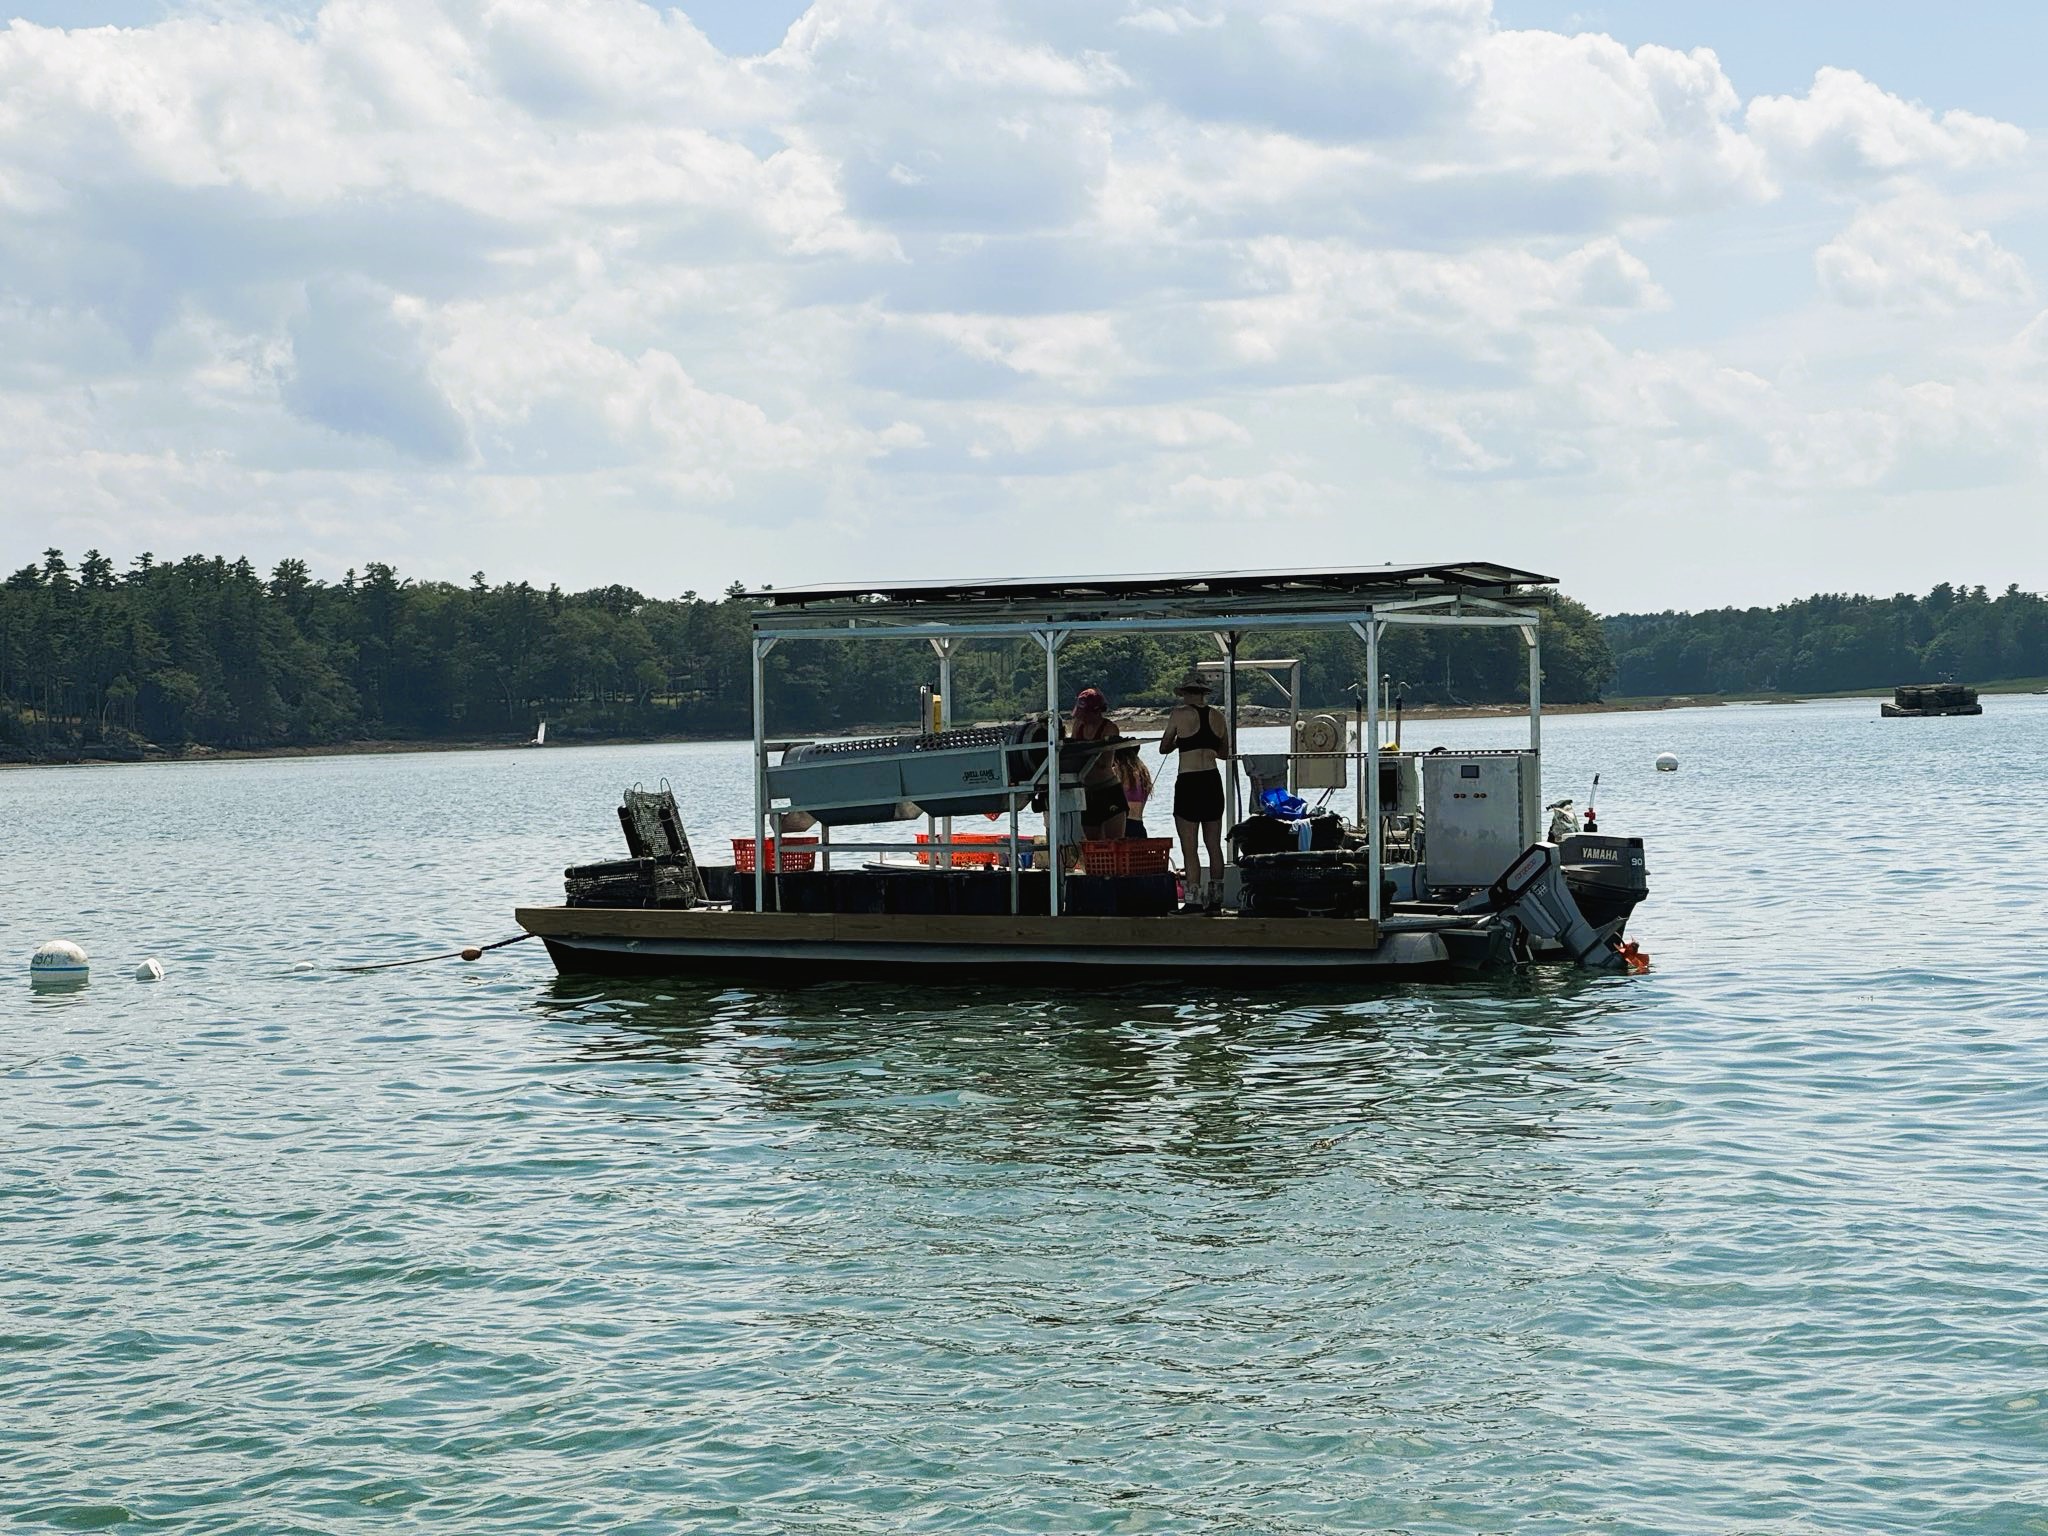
[[743, 895], [719, 880], [987, 893], [806, 890], [857, 890], [915, 893], [1120, 895]]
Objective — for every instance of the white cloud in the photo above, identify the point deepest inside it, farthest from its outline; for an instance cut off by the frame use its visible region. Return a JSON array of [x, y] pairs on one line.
[[1643, 129], [1277, 495], [358, 366], [1079, 349], [1524, 134], [395, 270], [1845, 127], [1909, 253], [1314, 69]]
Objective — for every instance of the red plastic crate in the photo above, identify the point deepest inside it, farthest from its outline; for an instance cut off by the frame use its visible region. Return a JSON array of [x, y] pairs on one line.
[[792, 860], [967, 860], [1126, 856]]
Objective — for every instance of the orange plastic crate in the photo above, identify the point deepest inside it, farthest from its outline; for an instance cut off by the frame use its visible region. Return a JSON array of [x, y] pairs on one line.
[[967, 860], [792, 860], [1126, 856]]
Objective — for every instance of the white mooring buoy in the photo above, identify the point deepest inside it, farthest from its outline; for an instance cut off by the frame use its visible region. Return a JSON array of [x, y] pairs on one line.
[[58, 961], [150, 970], [1667, 762]]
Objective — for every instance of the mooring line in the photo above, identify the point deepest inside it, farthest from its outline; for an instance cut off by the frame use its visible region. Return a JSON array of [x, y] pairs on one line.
[[468, 952]]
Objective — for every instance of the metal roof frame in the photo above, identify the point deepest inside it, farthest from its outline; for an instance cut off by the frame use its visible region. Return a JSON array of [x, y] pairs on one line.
[[1218, 595], [1466, 595]]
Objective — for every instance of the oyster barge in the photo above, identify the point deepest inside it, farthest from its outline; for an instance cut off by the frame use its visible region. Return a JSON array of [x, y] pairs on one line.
[[1445, 864], [1912, 701]]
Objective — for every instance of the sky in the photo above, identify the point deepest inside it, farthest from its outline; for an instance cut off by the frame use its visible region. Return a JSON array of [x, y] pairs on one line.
[[1686, 304]]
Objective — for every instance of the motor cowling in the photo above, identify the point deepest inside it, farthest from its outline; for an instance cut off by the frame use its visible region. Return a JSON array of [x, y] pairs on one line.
[[1607, 876]]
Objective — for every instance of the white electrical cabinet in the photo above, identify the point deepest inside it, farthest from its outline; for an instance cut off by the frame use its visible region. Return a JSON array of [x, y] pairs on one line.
[[1480, 811]]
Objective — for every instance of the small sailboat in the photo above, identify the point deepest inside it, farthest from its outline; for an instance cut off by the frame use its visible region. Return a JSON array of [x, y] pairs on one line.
[[540, 737]]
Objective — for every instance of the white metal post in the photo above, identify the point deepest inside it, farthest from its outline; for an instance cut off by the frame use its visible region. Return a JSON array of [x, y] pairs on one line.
[[1050, 639], [1535, 688], [761, 649], [1293, 724], [1356, 726], [1372, 768], [945, 650], [1532, 798], [1229, 764]]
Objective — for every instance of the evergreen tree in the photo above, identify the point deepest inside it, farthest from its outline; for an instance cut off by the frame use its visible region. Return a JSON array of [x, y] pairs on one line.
[[205, 650]]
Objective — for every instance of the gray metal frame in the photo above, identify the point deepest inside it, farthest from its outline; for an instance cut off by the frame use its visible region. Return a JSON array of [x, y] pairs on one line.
[[1052, 621]]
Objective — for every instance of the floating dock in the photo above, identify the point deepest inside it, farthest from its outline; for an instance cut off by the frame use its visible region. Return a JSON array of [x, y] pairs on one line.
[[1911, 701]]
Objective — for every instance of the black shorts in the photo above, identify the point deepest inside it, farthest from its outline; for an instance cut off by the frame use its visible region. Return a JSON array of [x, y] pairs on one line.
[[1198, 796], [1103, 801]]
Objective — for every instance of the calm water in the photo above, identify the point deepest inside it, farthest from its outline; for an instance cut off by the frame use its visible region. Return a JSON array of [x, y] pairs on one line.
[[1753, 1244]]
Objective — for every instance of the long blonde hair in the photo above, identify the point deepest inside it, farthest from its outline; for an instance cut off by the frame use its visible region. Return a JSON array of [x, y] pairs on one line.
[[1135, 777]]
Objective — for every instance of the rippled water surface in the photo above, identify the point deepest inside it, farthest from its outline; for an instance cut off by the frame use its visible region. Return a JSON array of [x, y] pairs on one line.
[[1755, 1243]]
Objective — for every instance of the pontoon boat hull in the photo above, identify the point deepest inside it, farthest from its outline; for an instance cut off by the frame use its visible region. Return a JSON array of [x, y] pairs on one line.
[[797, 946]]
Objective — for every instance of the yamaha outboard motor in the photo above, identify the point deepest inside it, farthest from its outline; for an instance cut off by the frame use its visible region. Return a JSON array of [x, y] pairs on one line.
[[1605, 875]]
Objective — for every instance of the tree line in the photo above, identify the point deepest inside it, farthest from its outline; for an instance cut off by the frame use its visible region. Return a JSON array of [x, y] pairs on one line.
[[209, 652], [1833, 643]]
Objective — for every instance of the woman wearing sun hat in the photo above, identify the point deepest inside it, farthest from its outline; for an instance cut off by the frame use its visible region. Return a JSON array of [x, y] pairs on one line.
[[1202, 738]]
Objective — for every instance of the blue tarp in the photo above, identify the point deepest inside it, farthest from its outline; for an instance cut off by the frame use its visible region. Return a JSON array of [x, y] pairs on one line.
[[1277, 802]]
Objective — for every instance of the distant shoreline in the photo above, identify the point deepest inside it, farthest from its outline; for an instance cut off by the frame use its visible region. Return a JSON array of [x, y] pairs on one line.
[[375, 748], [1136, 719]]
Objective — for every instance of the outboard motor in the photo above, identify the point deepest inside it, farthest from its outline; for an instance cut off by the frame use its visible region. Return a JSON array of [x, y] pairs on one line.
[[1533, 896], [1605, 875]]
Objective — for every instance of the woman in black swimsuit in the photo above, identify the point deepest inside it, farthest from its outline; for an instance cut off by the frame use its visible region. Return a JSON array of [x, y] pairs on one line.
[[1202, 738]]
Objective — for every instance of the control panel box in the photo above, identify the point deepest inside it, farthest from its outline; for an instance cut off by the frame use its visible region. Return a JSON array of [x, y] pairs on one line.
[[1480, 811]]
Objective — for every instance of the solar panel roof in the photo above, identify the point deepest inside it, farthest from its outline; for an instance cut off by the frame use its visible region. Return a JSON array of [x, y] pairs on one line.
[[1474, 576]]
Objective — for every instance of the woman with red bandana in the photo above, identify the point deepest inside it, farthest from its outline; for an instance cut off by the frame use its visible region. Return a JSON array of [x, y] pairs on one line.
[[1104, 809]]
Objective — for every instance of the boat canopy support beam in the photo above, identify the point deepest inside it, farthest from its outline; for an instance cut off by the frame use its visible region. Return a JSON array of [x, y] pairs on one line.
[[1368, 629], [942, 829], [1240, 623], [763, 644], [1227, 642], [1050, 641], [1530, 639]]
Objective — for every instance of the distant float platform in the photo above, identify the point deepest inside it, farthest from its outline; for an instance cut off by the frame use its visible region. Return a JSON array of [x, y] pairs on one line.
[[1913, 701], [797, 946]]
